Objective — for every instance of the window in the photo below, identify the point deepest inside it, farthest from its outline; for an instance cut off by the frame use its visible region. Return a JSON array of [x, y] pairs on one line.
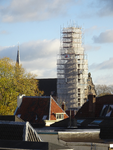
[[78, 94], [78, 104], [109, 111], [78, 80], [59, 116], [78, 65], [78, 90], [36, 117], [44, 117], [19, 115], [106, 111], [79, 121], [78, 75], [78, 99], [95, 123], [78, 71]]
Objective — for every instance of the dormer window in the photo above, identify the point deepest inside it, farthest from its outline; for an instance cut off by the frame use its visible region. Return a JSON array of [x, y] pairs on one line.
[[59, 116], [106, 110]]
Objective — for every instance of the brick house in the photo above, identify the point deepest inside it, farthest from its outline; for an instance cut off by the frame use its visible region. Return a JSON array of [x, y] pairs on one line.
[[42, 110], [97, 107]]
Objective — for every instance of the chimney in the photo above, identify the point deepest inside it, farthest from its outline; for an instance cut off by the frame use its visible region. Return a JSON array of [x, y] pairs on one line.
[[63, 106], [92, 101], [19, 100]]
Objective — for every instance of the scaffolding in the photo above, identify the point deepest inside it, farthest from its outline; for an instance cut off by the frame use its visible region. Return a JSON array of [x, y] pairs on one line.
[[72, 68]]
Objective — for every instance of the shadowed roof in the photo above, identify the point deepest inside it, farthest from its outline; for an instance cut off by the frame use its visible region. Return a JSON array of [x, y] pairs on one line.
[[49, 86], [100, 102], [37, 109], [33, 109]]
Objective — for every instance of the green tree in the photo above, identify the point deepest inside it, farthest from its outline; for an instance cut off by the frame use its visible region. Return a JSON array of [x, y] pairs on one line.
[[14, 80]]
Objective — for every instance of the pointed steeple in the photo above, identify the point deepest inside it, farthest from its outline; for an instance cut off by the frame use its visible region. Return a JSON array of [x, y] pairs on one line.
[[18, 56]]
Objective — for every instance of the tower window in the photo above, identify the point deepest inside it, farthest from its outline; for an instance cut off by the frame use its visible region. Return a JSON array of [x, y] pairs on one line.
[[78, 80], [78, 90], [78, 99], [78, 104], [78, 65]]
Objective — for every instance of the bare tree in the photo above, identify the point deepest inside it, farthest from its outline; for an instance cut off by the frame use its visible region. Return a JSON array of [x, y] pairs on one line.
[[104, 90]]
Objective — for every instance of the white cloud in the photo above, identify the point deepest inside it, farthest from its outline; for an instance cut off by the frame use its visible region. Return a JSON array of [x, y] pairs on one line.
[[106, 65], [102, 73], [4, 32], [91, 48], [39, 49], [106, 8], [39, 57], [104, 37], [33, 50], [101, 8], [91, 30], [8, 51], [33, 10], [42, 67], [104, 79]]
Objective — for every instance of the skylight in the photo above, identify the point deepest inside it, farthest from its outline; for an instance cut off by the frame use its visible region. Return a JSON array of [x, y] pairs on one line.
[[80, 121], [36, 117], [95, 122], [19, 115], [44, 117]]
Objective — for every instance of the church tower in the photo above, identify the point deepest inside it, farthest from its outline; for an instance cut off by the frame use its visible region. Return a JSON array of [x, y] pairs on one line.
[[72, 68], [18, 56]]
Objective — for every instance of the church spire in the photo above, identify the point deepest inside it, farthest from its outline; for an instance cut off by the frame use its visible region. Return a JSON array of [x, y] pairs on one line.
[[18, 56]]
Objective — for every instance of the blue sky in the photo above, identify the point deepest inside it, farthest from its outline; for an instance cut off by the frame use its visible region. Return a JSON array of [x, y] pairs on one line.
[[36, 24]]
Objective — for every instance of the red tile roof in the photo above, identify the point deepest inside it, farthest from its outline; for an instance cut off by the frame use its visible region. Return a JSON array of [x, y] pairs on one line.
[[56, 109], [33, 109]]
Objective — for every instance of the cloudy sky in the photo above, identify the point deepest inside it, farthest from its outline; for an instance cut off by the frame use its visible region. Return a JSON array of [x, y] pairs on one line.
[[36, 24]]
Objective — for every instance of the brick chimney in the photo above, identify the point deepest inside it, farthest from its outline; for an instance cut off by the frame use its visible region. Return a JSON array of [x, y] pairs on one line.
[[63, 106], [92, 101]]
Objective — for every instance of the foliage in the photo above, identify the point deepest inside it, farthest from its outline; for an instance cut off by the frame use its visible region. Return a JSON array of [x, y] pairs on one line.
[[14, 81], [102, 90]]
